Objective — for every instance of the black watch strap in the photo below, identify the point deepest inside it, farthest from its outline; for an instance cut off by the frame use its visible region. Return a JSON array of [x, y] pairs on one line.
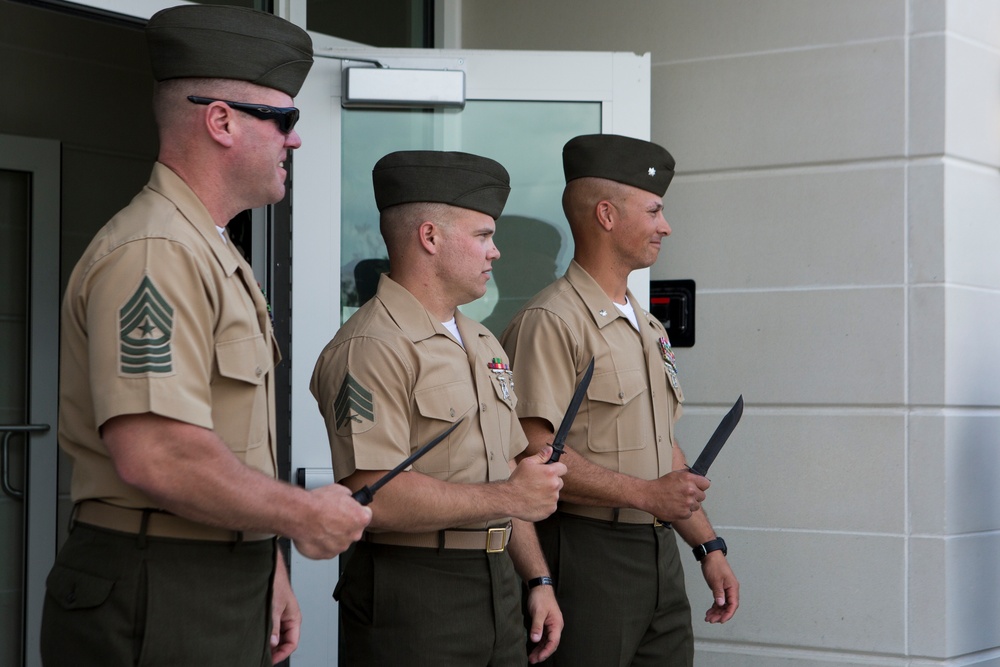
[[702, 550], [540, 581]]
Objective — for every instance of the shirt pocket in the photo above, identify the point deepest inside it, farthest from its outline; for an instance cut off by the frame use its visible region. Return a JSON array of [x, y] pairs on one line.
[[619, 418], [239, 396], [437, 408]]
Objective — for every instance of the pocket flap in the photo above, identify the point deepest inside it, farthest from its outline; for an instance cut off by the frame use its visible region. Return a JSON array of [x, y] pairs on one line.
[[448, 402], [73, 589], [246, 359], [617, 388]]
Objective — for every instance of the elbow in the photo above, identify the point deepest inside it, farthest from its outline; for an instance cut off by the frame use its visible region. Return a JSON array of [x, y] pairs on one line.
[[139, 475]]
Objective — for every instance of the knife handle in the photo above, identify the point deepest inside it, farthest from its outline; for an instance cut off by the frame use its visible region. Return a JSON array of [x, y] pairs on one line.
[[693, 471], [364, 495], [554, 458]]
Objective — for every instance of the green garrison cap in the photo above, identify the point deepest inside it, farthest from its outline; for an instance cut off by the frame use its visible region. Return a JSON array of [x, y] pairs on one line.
[[641, 164], [459, 179], [216, 41]]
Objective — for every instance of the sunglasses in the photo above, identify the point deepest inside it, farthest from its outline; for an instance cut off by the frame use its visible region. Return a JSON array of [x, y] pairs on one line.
[[285, 117]]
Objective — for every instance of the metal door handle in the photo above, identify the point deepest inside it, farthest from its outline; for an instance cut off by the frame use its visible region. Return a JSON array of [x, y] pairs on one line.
[[8, 431]]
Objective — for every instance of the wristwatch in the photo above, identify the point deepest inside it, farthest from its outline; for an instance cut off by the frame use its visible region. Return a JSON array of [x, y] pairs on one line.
[[703, 550]]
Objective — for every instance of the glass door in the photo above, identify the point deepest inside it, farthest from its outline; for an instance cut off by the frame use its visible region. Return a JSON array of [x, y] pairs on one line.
[[29, 271], [520, 109]]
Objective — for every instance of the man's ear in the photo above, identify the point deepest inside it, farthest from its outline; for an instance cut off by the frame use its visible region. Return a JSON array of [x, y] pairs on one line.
[[219, 123], [606, 214], [430, 237]]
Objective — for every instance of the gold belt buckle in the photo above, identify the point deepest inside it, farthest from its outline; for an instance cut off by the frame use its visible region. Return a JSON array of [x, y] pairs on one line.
[[656, 522], [502, 533]]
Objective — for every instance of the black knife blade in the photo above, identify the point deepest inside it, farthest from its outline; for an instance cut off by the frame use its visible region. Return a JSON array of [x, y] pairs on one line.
[[718, 439], [365, 494], [559, 443]]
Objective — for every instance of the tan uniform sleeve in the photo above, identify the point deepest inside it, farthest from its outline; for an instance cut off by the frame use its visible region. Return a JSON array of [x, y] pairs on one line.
[[362, 388], [543, 353], [150, 342]]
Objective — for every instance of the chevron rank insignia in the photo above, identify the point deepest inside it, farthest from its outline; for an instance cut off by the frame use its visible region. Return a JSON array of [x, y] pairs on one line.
[[145, 325], [354, 408]]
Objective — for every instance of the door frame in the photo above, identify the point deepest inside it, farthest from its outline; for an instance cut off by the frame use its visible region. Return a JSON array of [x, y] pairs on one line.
[[42, 159], [619, 81]]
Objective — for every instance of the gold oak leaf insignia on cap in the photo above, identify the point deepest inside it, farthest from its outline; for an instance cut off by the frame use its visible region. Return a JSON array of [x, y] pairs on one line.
[[354, 403], [146, 323]]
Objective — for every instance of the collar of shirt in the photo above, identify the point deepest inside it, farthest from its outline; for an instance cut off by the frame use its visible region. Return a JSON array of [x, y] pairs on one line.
[[602, 308], [167, 183]]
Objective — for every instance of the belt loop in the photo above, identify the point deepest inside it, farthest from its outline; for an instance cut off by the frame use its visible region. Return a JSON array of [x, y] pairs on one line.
[[440, 540], [72, 517], [143, 527], [614, 518], [237, 541]]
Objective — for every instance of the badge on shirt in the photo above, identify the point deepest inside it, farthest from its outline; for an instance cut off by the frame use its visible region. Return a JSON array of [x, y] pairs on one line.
[[504, 376], [354, 407], [669, 361], [145, 325]]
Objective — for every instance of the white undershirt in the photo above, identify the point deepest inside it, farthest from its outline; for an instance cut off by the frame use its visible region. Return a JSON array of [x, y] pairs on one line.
[[628, 311], [452, 326], [222, 233]]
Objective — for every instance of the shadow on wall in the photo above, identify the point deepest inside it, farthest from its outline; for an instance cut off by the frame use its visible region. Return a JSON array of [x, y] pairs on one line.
[[528, 251]]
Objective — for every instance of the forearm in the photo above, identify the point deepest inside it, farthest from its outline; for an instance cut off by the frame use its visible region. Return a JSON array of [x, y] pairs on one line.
[[670, 497], [190, 472], [413, 502], [545, 620], [586, 483], [526, 552], [696, 529]]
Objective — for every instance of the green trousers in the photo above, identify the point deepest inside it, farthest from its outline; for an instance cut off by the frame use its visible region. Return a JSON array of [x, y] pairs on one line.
[[440, 608], [115, 599], [621, 591]]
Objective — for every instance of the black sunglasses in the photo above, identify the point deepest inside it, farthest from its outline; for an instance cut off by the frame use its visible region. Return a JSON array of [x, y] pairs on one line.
[[286, 117]]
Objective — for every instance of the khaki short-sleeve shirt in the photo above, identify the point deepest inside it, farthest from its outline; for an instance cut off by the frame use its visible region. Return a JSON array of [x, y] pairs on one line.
[[163, 316], [393, 378], [626, 421]]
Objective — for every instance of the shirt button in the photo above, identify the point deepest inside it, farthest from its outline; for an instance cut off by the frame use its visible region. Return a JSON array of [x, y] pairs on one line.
[[451, 412], [482, 406], [259, 372], [621, 394]]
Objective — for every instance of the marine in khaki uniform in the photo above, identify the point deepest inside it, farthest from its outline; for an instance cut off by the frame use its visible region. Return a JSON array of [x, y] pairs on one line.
[[434, 581], [166, 382], [610, 546]]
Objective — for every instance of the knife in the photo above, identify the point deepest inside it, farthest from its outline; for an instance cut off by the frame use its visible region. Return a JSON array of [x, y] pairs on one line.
[[559, 443], [365, 494], [718, 439]]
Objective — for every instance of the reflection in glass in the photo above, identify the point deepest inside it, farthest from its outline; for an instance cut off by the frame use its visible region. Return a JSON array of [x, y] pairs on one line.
[[532, 234]]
